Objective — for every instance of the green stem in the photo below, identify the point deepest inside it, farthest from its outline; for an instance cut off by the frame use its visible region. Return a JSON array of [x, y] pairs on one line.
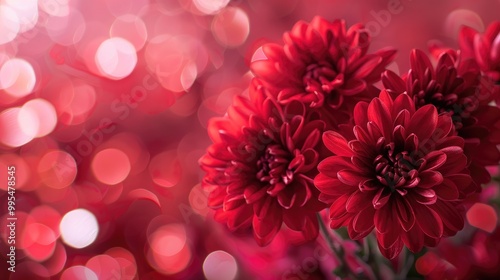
[[374, 258], [337, 250]]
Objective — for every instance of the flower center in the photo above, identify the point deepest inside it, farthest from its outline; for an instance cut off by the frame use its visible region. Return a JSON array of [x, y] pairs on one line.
[[396, 170], [321, 78], [273, 166], [458, 108]]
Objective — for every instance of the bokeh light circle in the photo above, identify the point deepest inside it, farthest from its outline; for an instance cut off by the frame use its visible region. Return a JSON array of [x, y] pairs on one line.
[[168, 240], [111, 166], [57, 169], [9, 24], [105, 267], [79, 228], [130, 28], [116, 58], [210, 6], [27, 12], [11, 133], [462, 17], [17, 77], [37, 118], [79, 272], [220, 265], [68, 29], [231, 27]]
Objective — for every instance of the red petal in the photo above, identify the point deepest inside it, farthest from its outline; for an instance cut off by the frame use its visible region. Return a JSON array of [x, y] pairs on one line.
[[406, 215], [393, 82], [393, 251], [424, 196], [414, 239], [434, 160], [331, 186], [429, 179], [265, 229], [363, 221], [420, 62], [381, 198], [337, 144], [428, 220], [357, 202], [447, 191], [351, 178], [360, 114], [332, 165], [456, 161], [385, 219], [425, 115], [381, 116]]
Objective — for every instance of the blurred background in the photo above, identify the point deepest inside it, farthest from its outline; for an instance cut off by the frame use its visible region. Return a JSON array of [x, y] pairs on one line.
[[104, 106]]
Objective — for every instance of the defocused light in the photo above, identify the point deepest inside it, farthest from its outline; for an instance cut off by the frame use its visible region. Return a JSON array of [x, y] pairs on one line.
[[82, 103], [130, 28], [482, 216], [27, 12], [176, 61], [78, 272], [111, 166], [66, 30], [220, 265], [144, 194], [105, 267], [9, 24], [57, 169], [122, 7], [59, 8], [11, 133], [40, 241], [126, 261], [165, 169], [462, 17], [231, 27], [22, 172], [134, 148], [198, 200], [48, 216], [210, 6], [258, 55], [37, 118], [79, 228], [56, 263], [116, 58], [168, 240], [426, 263], [17, 77], [169, 252]]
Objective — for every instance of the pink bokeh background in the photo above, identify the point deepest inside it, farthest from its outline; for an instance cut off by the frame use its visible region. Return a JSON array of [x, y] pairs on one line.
[[104, 106]]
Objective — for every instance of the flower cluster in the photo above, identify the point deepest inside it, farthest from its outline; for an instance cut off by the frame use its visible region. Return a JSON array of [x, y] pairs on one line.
[[398, 158]]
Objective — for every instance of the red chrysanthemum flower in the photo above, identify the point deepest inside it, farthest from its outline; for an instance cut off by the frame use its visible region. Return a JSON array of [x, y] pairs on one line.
[[323, 65], [453, 87], [484, 48], [262, 164], [401, 171]]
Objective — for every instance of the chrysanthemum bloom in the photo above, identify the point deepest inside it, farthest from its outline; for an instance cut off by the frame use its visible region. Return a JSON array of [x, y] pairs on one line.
[[324, 66], [453, 87], [262, 165], [401, 171], [484, 48]]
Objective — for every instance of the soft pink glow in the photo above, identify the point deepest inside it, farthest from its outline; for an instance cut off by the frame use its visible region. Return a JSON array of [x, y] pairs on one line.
[[111, 166]]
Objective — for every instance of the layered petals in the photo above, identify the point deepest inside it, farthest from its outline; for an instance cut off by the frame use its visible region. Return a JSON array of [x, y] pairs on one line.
[[261, 166], [454, 86], [324, 65], [402, 173]]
